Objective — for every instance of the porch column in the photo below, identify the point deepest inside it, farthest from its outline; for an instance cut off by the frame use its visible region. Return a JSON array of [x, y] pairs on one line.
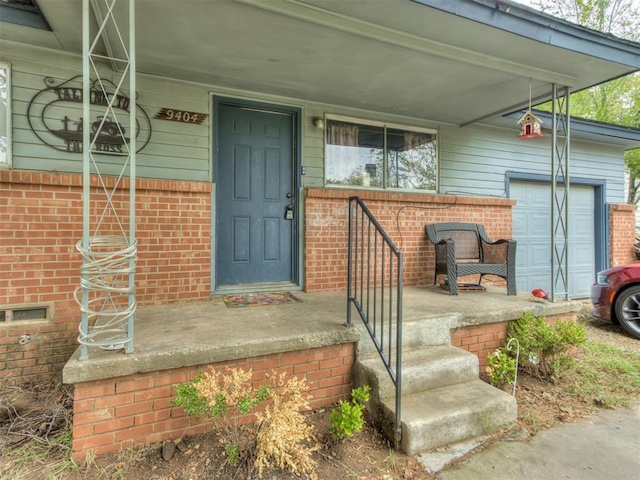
[[560, 192], [106, 293]]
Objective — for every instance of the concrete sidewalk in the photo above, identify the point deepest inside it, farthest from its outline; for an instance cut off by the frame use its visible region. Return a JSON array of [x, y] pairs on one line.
[[608, 447]]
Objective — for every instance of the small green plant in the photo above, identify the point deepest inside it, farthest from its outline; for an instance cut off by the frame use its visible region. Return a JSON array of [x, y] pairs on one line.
[[501, 368], [187, 396], [347, 419], [545, 349], [232, 453]]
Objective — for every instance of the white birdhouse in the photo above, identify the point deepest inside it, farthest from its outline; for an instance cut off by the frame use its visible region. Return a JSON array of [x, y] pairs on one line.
[[529, 126]]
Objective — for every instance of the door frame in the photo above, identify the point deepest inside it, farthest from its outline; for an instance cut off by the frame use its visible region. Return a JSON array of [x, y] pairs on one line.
[[296, 113], [600, 214]]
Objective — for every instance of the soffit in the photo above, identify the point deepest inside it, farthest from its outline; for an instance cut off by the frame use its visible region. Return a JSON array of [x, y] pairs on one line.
[[395, 56]]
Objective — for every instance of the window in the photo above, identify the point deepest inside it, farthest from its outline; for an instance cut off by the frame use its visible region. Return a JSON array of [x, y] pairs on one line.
[[380, 156], [5, 114]]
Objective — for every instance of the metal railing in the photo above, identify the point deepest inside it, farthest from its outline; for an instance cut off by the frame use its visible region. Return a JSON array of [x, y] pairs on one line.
[[375, 290]]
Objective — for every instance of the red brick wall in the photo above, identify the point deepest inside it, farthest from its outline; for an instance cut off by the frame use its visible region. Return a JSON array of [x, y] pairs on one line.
[[486, 339], [403, 216], [116, 413], [40, 224], [622, 233]]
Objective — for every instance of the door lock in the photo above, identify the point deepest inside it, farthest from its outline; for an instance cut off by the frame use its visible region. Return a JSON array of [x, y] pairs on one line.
[[288, 215]]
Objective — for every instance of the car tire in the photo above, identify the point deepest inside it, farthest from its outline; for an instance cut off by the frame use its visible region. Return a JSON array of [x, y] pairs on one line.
[[628, 310]]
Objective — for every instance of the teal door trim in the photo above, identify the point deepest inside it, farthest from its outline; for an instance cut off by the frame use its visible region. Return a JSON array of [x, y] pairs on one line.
[[296, 190]]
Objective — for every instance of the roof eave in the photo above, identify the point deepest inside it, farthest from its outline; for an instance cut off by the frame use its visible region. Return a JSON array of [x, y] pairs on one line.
[[535, 25]]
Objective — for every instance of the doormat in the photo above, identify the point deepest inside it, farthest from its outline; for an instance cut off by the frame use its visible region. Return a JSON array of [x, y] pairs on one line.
[[466, 287], [258, 299]]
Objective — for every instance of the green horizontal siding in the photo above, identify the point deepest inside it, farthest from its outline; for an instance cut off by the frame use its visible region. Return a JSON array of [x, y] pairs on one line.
[[175, 150]]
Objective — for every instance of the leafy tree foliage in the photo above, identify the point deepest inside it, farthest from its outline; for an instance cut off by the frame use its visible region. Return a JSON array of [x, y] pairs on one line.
[[618, 101]]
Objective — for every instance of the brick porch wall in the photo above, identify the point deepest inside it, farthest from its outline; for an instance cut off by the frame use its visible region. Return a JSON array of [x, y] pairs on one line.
[[40, 224], [117, 413], [403, 216], [622, 233], [486, 339]]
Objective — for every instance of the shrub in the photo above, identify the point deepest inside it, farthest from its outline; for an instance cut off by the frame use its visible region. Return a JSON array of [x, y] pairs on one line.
[[501, 368], [281, 436], [348, 418], [544, 348], [284, 439]]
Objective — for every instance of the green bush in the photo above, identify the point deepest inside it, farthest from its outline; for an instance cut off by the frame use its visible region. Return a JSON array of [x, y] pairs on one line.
[[347, 419], [501, 368], [545, 349]]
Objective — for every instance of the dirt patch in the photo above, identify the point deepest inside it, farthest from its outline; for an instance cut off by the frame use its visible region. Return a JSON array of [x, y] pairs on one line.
[[365, 456]]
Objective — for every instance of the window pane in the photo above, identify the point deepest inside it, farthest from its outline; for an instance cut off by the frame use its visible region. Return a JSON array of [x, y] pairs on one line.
[[354, 154], [411, 160], [4, 113]]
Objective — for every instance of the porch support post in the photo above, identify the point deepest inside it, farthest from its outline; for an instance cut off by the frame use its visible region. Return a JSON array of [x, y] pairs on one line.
[[560, 192], [106, 294], [86, 169], [133, 127]]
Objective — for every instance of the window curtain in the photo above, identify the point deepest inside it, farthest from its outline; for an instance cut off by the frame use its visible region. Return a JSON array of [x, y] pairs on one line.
[[414, 140], [342, 134]]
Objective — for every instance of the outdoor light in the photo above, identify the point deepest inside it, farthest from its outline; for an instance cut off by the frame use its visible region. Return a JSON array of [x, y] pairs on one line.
[[318, 122]]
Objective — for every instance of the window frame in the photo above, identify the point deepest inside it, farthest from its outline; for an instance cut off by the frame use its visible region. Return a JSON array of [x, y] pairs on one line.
[[7, 67], [384, 125]]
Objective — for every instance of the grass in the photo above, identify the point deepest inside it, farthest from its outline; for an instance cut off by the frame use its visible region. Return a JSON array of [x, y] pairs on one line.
[[599, 376], [606, 375], [40, 459]]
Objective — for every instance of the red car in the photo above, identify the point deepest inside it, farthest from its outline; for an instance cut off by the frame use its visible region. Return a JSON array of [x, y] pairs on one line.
[[616, 297]]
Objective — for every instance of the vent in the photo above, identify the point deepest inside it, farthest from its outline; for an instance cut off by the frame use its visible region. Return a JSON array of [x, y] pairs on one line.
[[24, 314]]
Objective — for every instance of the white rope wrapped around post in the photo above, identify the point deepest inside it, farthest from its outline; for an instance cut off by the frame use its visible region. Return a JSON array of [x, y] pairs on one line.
[[105, 277]]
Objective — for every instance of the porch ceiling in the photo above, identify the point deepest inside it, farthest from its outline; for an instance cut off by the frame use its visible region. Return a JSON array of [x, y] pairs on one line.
[[397, 56]]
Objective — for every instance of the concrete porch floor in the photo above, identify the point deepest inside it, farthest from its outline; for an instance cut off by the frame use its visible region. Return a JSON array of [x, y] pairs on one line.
[[199, 333]]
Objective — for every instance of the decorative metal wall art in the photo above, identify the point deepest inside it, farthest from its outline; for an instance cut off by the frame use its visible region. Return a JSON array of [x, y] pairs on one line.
[[55, 117]]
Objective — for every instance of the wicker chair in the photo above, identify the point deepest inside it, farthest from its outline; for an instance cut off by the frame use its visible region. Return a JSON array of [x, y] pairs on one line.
[[465, 249]]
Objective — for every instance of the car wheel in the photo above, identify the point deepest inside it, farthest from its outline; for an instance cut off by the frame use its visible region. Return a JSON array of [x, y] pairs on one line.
[[628, 310]]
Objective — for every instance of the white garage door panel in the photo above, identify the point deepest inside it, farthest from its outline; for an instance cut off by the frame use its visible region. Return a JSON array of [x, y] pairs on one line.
[[540, 227], [532, 230], [539, 255]]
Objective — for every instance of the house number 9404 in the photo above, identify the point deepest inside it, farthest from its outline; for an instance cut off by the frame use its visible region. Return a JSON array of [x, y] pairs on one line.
[[182, 116]]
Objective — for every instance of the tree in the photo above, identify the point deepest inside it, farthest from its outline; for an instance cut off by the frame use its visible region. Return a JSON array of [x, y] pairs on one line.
[[618, 101]]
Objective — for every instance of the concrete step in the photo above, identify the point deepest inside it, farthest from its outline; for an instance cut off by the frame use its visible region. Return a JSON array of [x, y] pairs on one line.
[[449, 414], [423, 369], [415, 334]]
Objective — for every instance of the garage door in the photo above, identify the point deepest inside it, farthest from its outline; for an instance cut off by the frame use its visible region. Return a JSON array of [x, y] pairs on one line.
[[532, 230]]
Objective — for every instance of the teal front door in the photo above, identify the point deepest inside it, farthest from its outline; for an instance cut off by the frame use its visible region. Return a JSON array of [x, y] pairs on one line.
[[255, 199]]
